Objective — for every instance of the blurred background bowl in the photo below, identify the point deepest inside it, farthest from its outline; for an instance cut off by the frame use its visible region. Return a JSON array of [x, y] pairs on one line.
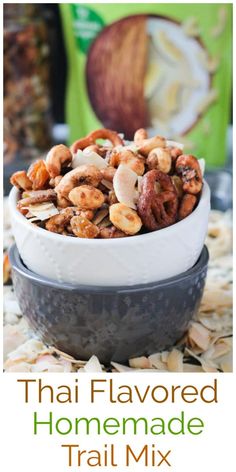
[[113, 323]]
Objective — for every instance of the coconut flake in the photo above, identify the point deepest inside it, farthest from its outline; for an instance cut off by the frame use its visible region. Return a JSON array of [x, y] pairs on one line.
[[202, 164], [124, 182], [171, 143], [175, 361], [88, 157], [93, 365], [42, 211], [140, 363]]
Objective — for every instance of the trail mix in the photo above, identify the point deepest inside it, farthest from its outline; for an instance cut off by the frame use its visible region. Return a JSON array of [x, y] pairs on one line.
[[110, 190]]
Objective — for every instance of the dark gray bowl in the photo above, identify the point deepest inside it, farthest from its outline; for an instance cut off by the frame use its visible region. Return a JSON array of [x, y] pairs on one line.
[[114, 323]]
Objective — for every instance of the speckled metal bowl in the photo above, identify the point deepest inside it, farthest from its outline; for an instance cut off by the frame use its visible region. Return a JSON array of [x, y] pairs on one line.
[[114, 323]]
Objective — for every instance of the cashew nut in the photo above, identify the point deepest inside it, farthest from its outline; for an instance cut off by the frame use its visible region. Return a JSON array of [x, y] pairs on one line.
[[57, 157], [144, 144], [160, 159], [127, 157], [89, 175]]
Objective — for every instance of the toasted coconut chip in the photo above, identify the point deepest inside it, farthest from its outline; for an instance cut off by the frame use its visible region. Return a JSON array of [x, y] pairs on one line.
[[140, 363], [49, 363], [123, 368], [226, 363], [175, 361], [87, 157], [170, 143], [29, 351], [19, 367], [105, 223], [199, 335], [107, 184], [156, 361], [207, 366], [192, 368], [124, 183], [100, 215], [13, 337], [42, 211], [139, 183], [93, 365], [214, 299], [12, 306]]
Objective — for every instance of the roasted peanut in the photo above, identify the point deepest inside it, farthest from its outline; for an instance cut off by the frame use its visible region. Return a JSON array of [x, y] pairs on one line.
[[86, 197], [125, 219]]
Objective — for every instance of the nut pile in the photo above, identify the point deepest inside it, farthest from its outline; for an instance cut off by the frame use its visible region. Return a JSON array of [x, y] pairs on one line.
[[110, 190]]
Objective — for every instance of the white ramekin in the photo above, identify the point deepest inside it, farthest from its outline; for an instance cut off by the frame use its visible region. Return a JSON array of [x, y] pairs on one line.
[[109, 262]]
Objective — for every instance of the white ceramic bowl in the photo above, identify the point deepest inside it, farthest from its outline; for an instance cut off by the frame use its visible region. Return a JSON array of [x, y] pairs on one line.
[[108, 262]]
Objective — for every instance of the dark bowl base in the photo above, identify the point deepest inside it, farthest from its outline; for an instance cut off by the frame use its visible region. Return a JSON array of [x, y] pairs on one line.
[[114, 323]]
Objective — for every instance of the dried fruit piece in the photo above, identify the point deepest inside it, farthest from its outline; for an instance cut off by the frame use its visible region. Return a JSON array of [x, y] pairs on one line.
[[83, 228], [86, 197], [38, 174], [6, 269], [21, 180]]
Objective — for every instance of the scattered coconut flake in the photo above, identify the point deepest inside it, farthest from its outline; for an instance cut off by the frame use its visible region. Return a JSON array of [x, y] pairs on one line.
[[87, 157], [124, 183], [18, 367], [156, 361], [13, 337], [100, 215], [12, 306], [140, 363], [42, 211], [107, 184], [175, 361], [93, 365], [49, 363], [28, 351], [199, 335]]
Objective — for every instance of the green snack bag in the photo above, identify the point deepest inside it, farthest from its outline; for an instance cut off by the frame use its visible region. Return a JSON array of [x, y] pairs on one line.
[[163, 67]]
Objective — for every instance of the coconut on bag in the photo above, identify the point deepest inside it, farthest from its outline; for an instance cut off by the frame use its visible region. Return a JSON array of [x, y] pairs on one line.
[[163, 67]]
